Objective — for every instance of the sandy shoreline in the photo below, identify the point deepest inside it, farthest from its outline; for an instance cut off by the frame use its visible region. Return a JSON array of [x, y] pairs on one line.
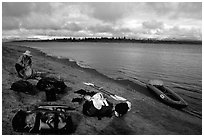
[[147, 117]]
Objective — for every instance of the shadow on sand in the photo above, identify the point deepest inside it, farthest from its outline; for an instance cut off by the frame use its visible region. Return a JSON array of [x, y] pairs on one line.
[[117, 126]]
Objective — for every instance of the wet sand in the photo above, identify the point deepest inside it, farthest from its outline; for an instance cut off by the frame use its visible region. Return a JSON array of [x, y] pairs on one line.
[[148, 115]]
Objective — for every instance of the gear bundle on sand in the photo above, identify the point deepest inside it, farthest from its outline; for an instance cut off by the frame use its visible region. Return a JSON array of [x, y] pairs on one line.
[[49, 119], [50, 85], [95, 105], [51, 82], [57, 119], [23, 86]]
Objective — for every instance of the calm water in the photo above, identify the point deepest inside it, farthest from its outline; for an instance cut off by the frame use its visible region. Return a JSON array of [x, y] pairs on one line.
[[178, 65]]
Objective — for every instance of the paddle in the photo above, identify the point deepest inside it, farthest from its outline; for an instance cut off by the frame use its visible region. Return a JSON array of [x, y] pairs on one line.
[[106, 92]]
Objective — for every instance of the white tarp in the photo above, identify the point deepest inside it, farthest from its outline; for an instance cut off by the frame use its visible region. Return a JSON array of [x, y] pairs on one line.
[[99, 101]]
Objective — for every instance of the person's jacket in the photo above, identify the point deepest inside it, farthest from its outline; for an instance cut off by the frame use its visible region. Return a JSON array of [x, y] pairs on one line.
[[24, 61]]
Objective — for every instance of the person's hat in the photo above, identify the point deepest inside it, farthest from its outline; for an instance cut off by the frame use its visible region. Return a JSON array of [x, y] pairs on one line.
[[27, 53], [18, 121]]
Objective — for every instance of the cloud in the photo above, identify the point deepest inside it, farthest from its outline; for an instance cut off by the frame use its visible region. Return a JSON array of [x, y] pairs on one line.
[[153, 24], [15, 9], [189, 10], [39, 21], [173, 10], [177, 32], [132, 19], [161, 8], [10, 23], [107, 11], [101, 28], [42, 15], [23, 9], [27, 15], [72, 26]]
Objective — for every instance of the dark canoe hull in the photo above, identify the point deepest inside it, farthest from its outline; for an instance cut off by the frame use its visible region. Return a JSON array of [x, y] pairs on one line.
[[168, 96]]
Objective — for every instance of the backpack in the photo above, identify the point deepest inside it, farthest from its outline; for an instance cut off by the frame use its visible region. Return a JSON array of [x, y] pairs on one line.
[[51, 83], [23, 86], [121, 109], [49, 116]]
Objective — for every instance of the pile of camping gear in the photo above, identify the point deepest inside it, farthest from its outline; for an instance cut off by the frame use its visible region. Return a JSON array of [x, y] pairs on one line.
[[57, 119]]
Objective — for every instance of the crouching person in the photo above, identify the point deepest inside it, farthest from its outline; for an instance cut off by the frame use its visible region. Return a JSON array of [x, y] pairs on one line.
[[24, 67], [42, 122], [24, 64], [97, 106]]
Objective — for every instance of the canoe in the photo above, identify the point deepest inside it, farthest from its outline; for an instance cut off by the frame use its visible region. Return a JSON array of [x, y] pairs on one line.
[[167, 95]]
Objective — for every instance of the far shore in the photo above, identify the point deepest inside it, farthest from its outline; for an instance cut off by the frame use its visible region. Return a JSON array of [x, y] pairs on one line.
[[148, 116], [115, 40]]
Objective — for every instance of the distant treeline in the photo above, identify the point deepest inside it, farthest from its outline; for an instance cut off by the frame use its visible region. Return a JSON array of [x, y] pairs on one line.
[[115, 40]]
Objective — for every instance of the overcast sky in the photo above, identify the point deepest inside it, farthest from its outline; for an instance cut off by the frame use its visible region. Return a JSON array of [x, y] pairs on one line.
[[135, 20]]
